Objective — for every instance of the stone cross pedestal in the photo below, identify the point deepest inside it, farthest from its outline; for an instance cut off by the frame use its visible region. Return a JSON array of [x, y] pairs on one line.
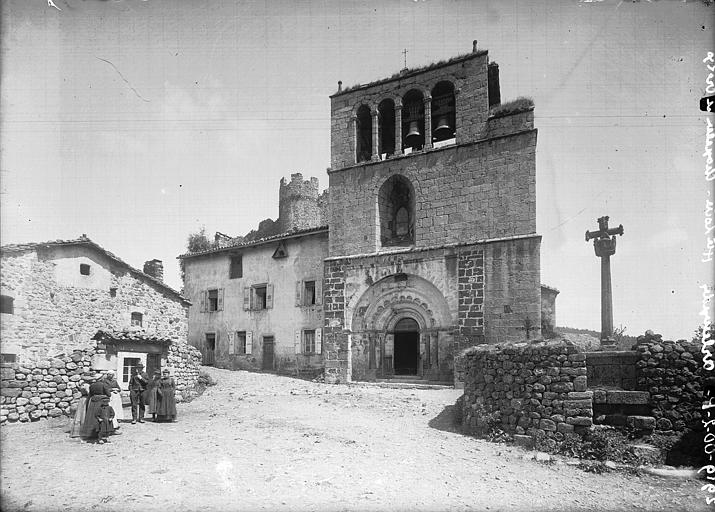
[[604, 243]]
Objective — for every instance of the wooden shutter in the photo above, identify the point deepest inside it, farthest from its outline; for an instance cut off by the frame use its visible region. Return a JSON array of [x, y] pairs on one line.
[[299, 293], [318, 291], [269, 296], [219, 301], [249, 342], [319, 341], [202, 301], [297, 342], [231, 343], [246, 298]]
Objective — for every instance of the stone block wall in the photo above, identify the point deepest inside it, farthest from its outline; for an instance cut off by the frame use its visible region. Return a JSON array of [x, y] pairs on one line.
[[298, 206], [513, 122], [57, 310], [335, 340], [672, 372], [468, 74], [463, 194], [33, 390], [526, 389]]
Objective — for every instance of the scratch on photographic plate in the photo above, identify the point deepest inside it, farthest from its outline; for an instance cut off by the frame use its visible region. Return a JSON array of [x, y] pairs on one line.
[[122, 77]]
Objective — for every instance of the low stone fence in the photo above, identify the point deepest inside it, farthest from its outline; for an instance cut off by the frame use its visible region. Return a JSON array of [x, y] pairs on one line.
[[50, 388], [528, 390], [672, 373]]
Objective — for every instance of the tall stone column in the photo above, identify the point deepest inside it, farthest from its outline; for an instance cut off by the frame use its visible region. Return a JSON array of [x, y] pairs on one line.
[[375, 136], [398, 128], [428, 122]]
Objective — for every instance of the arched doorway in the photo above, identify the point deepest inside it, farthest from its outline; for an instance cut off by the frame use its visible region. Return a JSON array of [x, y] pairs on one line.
[[407, 347]]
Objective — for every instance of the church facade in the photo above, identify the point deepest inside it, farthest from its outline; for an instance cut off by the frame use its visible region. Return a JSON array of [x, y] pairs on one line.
[[431, 219]]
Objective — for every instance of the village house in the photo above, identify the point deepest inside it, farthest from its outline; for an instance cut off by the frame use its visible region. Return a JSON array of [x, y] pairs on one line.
[[66, 295], [428, 245]]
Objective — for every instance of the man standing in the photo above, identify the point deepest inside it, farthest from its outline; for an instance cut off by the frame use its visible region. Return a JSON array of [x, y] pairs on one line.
[[137, 386]]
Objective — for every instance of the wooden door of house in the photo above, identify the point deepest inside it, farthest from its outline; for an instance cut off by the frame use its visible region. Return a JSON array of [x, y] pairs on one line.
[[153, 363], [268, 346]]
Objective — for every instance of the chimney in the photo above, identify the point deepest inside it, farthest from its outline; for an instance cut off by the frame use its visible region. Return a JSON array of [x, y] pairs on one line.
[[154, 268]]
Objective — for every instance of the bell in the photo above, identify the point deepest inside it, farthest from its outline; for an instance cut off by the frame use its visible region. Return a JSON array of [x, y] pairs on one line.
[[414, 130], [442, 124]]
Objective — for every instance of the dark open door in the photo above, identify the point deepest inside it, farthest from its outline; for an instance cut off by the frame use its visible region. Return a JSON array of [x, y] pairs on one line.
[[153, 363], [268, 344]]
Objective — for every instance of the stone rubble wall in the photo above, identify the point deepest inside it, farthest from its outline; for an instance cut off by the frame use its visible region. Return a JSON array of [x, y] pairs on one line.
[[672, 372], [49, 388], [534, 390]]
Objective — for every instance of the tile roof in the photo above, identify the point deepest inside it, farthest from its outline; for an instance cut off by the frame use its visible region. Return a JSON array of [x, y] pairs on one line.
[[131, 336], [84, 240], [240, 244]]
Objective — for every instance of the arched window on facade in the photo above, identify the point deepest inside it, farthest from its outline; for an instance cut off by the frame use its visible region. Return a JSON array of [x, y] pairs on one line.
[[413, 120], [443, 112], [387, 127], [363, 132], [396, 203]]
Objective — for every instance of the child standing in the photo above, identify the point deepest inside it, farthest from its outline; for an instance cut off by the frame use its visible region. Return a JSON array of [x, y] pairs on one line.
[[105, 426]]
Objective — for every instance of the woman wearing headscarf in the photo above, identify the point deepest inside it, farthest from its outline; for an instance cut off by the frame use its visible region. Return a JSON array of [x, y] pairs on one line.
[[98, 391], [115, 399], [167, 404], [79, 414]]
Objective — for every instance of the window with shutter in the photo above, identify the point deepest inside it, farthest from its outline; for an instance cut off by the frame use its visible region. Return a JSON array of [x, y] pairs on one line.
[[246, 298], [309, 341], [219, 305], [309, 293], [231, 343], [318, 341], [299, 293], [296, 342], [213, 301], [269, 296], [249, 342]]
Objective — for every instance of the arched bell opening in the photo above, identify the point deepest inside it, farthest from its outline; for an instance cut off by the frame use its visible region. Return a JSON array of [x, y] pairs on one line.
[[443, 112], [363, 132], [386, 111], [413, 120]]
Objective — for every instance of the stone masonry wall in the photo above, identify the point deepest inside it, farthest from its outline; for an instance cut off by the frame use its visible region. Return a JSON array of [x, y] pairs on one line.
[[336, 344], [56, 310], [468, 75], [30, 391], [673, 374], [526, 389], [462, 194]]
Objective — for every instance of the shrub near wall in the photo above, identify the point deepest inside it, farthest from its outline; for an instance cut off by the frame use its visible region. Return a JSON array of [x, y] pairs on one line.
[[534, 390], [50, 388]]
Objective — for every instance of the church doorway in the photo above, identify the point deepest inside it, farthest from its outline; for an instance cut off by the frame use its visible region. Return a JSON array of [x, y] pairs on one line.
[[407, 347]]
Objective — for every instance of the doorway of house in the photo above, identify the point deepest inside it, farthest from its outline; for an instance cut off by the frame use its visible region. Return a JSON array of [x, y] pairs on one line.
[[407, 347], [268, 345]]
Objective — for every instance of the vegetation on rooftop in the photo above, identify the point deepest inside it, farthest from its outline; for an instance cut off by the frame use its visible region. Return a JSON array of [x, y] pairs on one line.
[[520, 104]]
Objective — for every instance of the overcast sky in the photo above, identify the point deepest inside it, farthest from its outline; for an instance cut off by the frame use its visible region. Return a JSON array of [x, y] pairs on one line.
[[139, 122]]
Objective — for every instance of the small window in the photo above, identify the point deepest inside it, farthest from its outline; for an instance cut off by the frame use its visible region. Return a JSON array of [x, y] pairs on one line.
[[112, 292], [7, 304], [241, 342], [260, 293], [8, 358], [236, 269], [309, 342], [213, 300], [308, 293], [137, 319], [84, 269]]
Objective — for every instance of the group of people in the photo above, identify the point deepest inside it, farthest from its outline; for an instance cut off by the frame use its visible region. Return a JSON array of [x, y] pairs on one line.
[[100, 410]]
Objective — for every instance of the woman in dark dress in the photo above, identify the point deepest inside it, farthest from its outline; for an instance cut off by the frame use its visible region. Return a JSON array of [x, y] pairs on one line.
[[152, 392], [98, 391], [166, 409]]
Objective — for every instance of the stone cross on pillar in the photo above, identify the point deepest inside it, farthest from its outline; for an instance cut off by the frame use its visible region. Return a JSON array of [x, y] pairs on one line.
[[604, 243]]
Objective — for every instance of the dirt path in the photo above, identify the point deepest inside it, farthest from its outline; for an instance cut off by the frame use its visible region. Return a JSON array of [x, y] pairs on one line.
[[263, 442]]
